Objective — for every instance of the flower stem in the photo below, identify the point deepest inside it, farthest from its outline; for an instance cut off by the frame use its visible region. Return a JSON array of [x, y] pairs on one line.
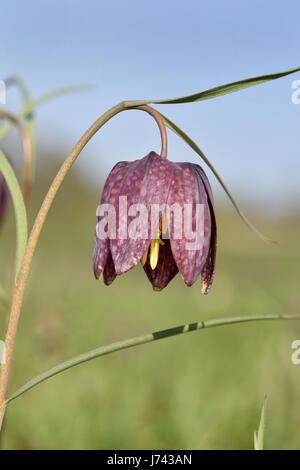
[[30, 124], [27, 136], [27, 153], [162, 128], [129, 343], [30, 107], [36, 230]]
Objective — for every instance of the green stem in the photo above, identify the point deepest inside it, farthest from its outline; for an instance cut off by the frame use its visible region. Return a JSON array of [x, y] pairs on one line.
[[30, 124], [43, 99], [19, 208], [27, 152], [129, 343]]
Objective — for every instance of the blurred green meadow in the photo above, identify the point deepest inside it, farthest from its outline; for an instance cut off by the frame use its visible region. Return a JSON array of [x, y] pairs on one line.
[[201, 390]]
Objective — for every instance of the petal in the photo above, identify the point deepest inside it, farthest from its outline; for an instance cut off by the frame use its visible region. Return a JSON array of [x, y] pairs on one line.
[[146, 182], [4, 191], [109, 194], [109, 273], [188, 188], [165, 270], [208, 271], [4, 196]]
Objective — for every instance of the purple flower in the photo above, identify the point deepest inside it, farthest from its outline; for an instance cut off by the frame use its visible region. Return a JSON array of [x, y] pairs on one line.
[[4, 197], [179, 237]]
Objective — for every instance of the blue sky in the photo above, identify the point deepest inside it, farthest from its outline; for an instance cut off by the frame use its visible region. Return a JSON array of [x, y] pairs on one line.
[[164, 49]]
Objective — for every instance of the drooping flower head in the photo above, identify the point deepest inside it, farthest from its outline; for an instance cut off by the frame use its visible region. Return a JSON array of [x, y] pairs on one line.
[[160, 213]]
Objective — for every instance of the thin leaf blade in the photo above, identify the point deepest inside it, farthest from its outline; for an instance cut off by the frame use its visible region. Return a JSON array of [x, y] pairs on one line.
[[256, 445], [259, 435], [19, 208], [140, 340], [195, 147], [219, 90]]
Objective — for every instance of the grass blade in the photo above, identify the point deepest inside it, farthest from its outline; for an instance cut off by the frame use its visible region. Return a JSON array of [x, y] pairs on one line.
[[219, 90], [259, 435], [19, 207], [144, 339], [195, 147]]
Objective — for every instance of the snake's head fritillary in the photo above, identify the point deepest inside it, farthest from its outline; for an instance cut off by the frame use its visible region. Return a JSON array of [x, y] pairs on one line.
[[160, 213]]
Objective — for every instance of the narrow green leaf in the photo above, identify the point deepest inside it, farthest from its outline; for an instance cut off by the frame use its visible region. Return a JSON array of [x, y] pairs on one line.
[[195, 147], [19, 207], [139, 340], [256, 445], [43, 99], [259, 441], [219, 90]]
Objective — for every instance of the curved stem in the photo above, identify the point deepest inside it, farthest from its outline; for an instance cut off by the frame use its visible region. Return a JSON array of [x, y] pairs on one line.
[[43, 99], [27, 142], [30, 124], [18, 82], [129, 343], [162, 128], [27, 154], [34, 236]]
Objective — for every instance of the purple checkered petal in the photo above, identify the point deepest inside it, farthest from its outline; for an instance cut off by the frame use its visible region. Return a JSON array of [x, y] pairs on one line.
[[188, 188], [165, 270], [208, 271], [147, 181], [4, 197], [110, 192], [109, 273], [4, 193]]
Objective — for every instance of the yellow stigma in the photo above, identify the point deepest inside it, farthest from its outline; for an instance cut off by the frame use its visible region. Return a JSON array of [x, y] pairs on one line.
[[154, 250]]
